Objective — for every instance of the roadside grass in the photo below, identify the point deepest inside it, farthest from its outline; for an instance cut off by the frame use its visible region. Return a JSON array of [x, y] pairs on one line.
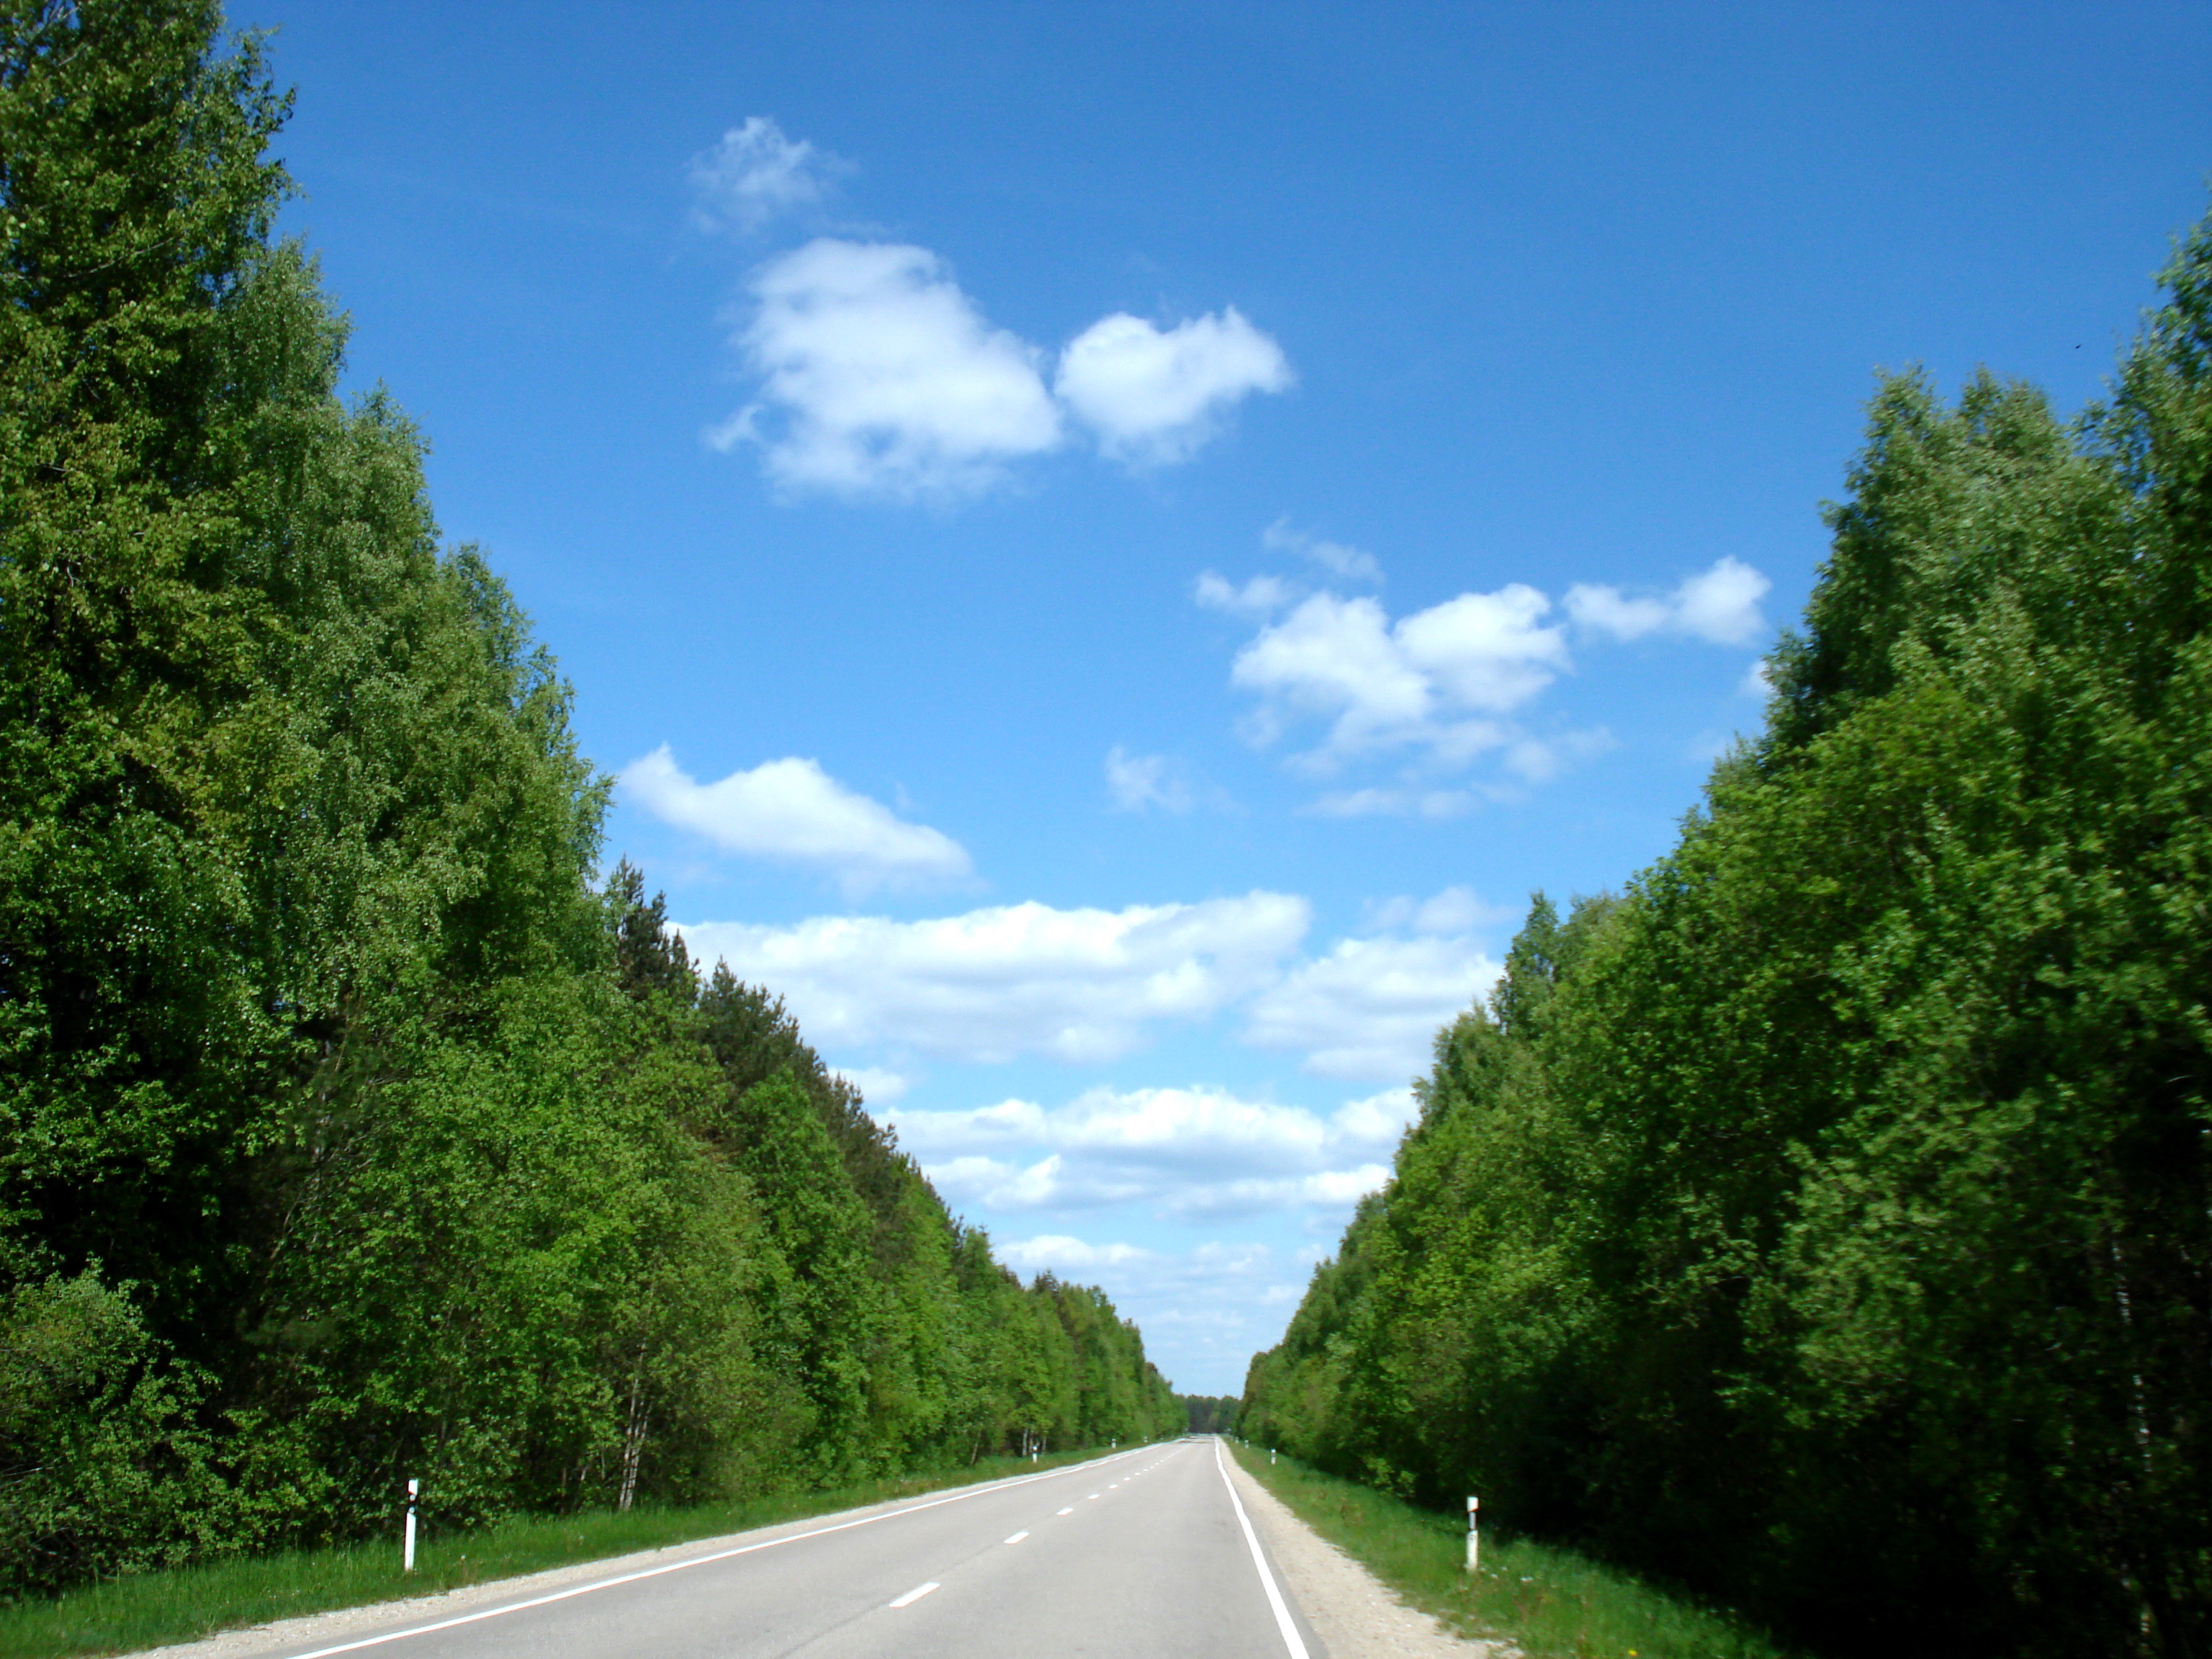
[[145, 1610], [1550, 1603]]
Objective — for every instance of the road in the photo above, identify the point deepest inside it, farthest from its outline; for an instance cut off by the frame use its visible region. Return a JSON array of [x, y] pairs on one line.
[[1143, 1555]]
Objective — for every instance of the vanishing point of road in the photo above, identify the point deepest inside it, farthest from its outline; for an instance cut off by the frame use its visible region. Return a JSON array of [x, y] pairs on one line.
[[1147, 1554]]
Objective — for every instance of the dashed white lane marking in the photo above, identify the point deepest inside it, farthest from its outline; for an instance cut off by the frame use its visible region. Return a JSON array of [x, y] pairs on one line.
[[1070, 1509], [915, 1594], [1018, 1536], [598, 1584], [1092, 1499]]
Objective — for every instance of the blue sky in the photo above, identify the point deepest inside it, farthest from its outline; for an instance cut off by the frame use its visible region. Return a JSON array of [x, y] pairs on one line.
[[1112, 548]]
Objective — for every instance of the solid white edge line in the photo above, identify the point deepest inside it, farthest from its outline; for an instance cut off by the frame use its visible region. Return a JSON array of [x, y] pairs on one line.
[[1290, 1631], [915, 1594], [694, 1561]]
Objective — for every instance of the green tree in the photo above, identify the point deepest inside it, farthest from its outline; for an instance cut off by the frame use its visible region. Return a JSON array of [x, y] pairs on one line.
[[1824, 1224], [349, 1130]]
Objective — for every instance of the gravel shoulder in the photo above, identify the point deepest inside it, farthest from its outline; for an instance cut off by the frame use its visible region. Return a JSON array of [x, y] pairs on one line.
[[1355, 1616]]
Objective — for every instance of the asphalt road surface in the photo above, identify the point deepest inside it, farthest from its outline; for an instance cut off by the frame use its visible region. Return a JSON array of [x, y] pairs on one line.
[[1144, 1555]]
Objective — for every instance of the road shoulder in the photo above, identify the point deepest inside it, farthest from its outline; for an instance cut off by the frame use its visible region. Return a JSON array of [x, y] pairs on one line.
[[1350, 1610], [337, 1626]]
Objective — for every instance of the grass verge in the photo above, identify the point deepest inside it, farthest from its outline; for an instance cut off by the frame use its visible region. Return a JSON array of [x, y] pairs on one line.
[[123, 1615], [1550, 1603]]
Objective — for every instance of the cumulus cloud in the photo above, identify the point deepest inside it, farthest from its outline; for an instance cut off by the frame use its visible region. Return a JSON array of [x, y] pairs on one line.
[[1193, 1154], [1152, 395], [1720, 605], [1441, 686], [1339, 560], [879, 377], [1371, 1008], [1436, 678], [1078, 985], [791, 810], [1068, 1256], [755, 174], [1758, 681]]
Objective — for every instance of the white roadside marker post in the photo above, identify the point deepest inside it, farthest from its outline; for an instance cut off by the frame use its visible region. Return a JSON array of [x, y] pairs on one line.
[[1271, 1456], [407, 1534], [1473, 1539]]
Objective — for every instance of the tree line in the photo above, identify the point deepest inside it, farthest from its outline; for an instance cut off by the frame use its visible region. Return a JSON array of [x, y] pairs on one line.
[[1821, 1223], [1205, 1414], [350, 1129]]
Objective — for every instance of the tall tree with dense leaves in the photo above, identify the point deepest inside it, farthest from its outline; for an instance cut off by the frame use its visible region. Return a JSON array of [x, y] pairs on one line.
[[1825, 1223], [349, 1127]]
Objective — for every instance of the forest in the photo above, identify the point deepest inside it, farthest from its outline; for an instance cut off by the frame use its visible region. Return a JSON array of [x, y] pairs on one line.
[[1821, 1223], [1210, 1413], [353, 1127]]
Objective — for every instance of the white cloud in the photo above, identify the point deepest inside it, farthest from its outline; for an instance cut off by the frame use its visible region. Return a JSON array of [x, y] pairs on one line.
[[1262, 596], [1454, 910], [1758, 681], [792, 810], [1060, 1254], [1154, 396], [755, 174], [879, 377], [1428, 679], [1486, 650], [1195, 1154], [1138, 781], [1371, 1008], [1336, 558], [1720, 605], [1078, 984], [1539, 760], [1608, 610], [1197, 1157], [1443, 683], [1391, 802], [876, 1085]]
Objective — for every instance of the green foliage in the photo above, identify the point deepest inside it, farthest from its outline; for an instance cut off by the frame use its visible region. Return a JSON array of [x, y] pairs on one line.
[[1548, 1604], [1210, 1414], [347, 1133], [1825, 1223], [100, 1468]]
